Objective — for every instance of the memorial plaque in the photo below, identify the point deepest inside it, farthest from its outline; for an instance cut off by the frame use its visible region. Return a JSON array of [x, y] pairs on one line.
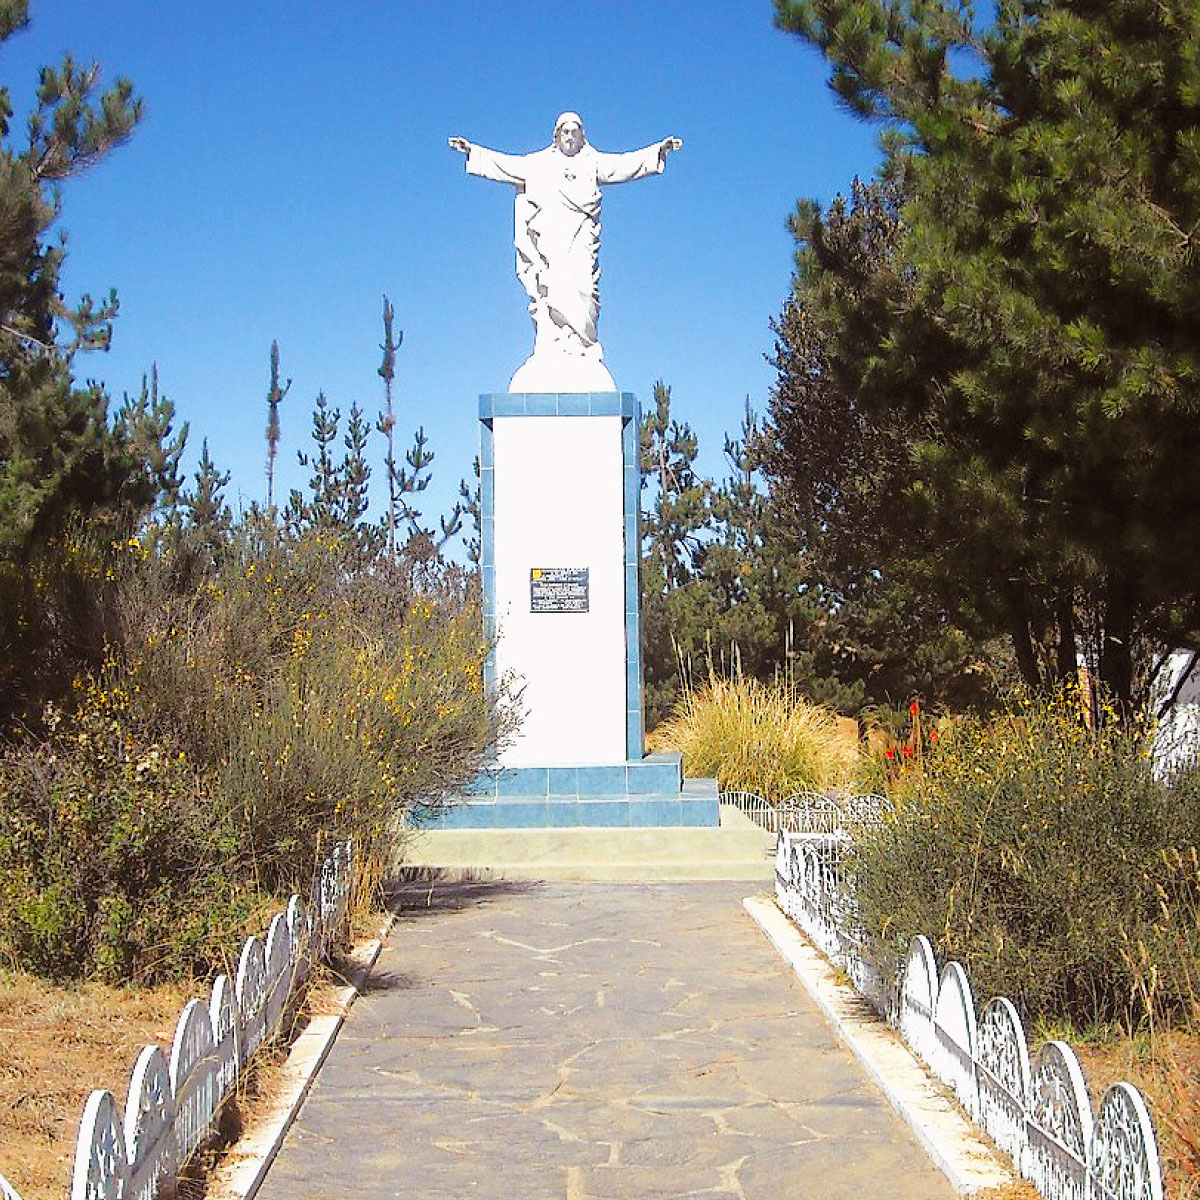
[[558, 589]]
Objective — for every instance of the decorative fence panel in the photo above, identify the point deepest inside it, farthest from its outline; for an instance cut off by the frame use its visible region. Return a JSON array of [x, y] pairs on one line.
[[277, 959], [1040, 1115], [149, 1117], [223, 1016], [193, 1065], [954, 1036], [809, 812], [251, 993], [1058, 1123], [300, 928], [1002, 1075], [101, 1169], [918, 998], [814, 898], [173, 1103], [1120, 1162]]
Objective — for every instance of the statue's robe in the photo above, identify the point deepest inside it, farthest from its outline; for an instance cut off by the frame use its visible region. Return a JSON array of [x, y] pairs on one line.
[[557, 225]]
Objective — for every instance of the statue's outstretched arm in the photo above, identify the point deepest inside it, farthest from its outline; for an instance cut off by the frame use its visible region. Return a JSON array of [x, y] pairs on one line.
[[491, 164], [635, 164]]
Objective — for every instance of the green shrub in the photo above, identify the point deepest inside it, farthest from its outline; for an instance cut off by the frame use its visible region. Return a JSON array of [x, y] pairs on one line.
[[109, 854], [761, 738], [295, 692], [1032, 849], [59, 615], [323, 698]]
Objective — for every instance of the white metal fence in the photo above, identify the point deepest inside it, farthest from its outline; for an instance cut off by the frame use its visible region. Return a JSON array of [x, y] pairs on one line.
[[809, 812], [174, 1097], [1036, 1109]]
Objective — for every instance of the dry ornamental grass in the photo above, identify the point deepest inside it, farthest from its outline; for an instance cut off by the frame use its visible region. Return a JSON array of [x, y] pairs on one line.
[[760, 738]]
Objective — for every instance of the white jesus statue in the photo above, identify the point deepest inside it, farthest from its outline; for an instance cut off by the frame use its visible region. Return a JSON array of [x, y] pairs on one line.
[[557, 237]]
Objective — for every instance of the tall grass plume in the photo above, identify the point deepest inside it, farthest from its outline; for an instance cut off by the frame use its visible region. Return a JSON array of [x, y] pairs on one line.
[[762, 738]]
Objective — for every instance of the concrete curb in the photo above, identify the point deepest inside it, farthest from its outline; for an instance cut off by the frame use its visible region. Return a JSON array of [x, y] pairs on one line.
[[246, 1162], [954, 1144]]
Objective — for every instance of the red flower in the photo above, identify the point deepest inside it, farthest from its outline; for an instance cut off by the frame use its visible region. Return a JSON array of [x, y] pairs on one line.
[[889, 754], [907, 750], [914, 708], [933, 735]]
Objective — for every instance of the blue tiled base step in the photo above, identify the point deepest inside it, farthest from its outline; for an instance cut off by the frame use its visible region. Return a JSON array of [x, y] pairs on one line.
[[656, 775], [694, 806]]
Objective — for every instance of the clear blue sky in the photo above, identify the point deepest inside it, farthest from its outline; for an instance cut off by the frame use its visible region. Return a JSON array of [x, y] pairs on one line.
[[292, 167]]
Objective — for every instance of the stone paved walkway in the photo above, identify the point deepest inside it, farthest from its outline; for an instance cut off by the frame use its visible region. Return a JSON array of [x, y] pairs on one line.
[[591, 1042]]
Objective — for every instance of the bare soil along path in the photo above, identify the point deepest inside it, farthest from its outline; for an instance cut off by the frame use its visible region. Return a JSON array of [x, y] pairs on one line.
[[591, 1042]]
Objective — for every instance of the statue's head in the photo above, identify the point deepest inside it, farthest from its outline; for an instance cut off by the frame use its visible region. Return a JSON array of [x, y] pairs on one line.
[[568, 133]]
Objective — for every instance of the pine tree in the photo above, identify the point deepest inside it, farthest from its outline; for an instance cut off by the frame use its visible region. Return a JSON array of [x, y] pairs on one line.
[[205, 503], [471, 506], [674, 524], [338, 487], [197, 533], [411, 481], [406, 482], [324, 483], [275, 395], [353, 496], [60, 455], [1038, 355], [146, 426], [386, 423]]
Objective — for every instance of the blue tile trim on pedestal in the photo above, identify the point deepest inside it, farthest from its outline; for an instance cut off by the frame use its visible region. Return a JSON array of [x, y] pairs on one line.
[[635, 739], [564, 781], [558, 404], [656, 774], [487, 547], [696, 806], [522, 781]]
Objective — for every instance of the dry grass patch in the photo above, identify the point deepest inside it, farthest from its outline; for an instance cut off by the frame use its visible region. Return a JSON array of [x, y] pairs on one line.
[[1165, 1068], [1019, 1189], [60, 1043]]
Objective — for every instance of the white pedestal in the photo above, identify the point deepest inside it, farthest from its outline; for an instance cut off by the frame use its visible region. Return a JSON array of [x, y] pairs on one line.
[[559, 482]]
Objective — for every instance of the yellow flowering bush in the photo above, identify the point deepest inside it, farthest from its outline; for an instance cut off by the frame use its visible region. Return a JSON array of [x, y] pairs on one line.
[[1031, 848], [110, 862], [324, 696], [299, 691]]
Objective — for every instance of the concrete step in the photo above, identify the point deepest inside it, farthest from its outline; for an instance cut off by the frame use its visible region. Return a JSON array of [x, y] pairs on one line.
[[737, 849]]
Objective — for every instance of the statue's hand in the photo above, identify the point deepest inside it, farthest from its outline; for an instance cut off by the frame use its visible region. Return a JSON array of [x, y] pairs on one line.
[[668, 144], [460, 144]]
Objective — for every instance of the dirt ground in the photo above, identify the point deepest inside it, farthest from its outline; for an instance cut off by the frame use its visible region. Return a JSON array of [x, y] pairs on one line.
[[59, 1042]]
